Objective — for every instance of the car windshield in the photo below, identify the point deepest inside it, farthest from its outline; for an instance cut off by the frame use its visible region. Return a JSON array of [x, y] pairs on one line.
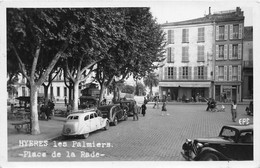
[[228, 133]]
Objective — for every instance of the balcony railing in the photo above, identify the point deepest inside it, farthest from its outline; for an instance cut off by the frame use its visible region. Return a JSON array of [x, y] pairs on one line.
[[248, 64]]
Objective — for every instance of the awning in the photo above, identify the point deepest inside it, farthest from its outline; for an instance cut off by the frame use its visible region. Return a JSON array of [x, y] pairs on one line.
[[185, 84]]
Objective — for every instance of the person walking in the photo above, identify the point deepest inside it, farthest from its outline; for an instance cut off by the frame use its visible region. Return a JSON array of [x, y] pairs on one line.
[[143, 109], [164, 110], [135, 116], [234, 110]]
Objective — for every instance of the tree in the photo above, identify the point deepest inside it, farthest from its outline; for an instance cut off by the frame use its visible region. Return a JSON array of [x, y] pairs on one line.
[[36, 39], [140, 89], [140, 44], [128, 89], [151, 80]]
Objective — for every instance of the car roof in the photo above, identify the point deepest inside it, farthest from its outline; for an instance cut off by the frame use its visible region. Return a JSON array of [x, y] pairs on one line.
[[240, 127], [88, 111]]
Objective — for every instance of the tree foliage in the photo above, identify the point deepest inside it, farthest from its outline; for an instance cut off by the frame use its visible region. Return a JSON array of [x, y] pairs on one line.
[[151, 80]]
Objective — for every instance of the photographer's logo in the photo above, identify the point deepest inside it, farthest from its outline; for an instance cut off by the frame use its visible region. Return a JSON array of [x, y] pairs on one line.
[[244, 121]]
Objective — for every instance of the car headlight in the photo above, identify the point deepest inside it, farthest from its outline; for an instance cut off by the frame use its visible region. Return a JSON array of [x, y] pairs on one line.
[[188, 141], [199, 145]]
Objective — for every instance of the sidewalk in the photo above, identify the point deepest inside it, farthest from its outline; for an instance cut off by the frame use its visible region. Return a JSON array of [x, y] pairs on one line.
[[49, 130]]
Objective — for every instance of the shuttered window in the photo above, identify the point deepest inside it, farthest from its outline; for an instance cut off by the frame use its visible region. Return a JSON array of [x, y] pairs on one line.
[[201, 53], [201, 34], [170, 36], [185, 54], [185, 35]]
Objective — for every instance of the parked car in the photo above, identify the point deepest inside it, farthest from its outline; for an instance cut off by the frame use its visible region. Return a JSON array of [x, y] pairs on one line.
[[83, 122], [87, 102], [128, 106], [113, 113], [233, 143]]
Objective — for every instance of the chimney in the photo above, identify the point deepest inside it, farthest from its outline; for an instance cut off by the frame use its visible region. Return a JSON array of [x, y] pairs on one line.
[[209, 10]]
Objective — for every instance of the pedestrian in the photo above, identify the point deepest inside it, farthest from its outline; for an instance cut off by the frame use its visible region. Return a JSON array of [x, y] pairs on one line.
[[164, 110], [155, 102], [234, 110], [208, 103], [135, 111], [65, 101], [143, 109]]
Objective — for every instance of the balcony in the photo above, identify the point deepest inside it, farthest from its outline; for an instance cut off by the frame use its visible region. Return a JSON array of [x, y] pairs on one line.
[[248, 64]]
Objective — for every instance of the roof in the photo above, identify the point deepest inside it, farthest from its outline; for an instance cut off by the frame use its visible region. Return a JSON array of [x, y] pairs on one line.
[[235, 15], [248, 33], [241, 127], [84, 111]]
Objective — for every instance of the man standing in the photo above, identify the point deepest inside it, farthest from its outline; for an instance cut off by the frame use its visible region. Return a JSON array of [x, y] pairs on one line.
[[234, 110], [135, 111]]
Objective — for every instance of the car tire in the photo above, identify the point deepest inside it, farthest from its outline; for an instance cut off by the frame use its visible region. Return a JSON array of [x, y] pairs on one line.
[[115, 122], [209, 157], [126, 117], [107, 125], [85, 136]]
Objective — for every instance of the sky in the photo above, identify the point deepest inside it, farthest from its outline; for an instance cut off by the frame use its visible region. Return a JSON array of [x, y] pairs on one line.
[[173, 11]]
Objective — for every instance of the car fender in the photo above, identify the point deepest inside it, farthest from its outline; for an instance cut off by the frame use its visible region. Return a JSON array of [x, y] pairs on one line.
[[211, 150]]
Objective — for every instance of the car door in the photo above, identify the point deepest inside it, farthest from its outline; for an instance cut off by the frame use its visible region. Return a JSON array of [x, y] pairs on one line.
[[243, 149], [87, 124], [239, 149], [93, 122]]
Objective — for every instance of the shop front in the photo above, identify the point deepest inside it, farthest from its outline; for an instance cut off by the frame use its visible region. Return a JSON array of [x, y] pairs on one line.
[[180, 91], [228, 92]]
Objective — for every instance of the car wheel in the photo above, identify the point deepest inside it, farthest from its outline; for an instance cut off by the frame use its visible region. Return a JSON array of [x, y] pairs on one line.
[[86, 135], [209, 157], [126, 117], [115, 122], [107, 125]]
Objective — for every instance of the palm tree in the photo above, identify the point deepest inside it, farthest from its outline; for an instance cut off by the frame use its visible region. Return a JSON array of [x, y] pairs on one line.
[[151, 81]]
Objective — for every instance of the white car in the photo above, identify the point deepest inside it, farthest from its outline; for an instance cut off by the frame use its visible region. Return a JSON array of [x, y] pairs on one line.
[[83, 122]]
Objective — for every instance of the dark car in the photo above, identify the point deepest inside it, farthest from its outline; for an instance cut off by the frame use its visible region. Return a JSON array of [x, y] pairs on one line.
[[87, 102], [128, 106], [113, 112], [233, 143]]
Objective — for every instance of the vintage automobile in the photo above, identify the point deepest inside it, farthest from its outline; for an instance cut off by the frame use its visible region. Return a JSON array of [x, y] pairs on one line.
[[128, 106], [87, 102], [83, 122], [113, 113], [233, 143]]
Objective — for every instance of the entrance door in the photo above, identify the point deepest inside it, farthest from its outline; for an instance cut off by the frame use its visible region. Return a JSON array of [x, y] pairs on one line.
[[234, 93]]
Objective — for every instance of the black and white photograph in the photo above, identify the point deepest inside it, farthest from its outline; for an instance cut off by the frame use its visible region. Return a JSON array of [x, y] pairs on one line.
[[129, 83]]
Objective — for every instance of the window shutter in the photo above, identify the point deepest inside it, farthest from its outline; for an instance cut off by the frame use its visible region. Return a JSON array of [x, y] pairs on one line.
[[195, 72], [205, 73], [240, 31], [180, 72], [231, 32], [226, 32], [217, 32], [168, 55], [217, 52], [169, 36], [230, 51], [239, 51], [239, 72], [225, 51], [172, 54], [174, 73], [189, 72], [187, 35], [225, 73], [230, 72], [165, 73], [216, 73]]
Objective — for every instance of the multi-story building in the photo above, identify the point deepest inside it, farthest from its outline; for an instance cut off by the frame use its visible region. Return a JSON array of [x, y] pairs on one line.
[[187, 71], [247, 66], [229, 27]]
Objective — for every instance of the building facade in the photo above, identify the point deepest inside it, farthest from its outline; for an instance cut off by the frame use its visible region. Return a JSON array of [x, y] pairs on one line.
[[247, 66], [187, 71], [229, 26]]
